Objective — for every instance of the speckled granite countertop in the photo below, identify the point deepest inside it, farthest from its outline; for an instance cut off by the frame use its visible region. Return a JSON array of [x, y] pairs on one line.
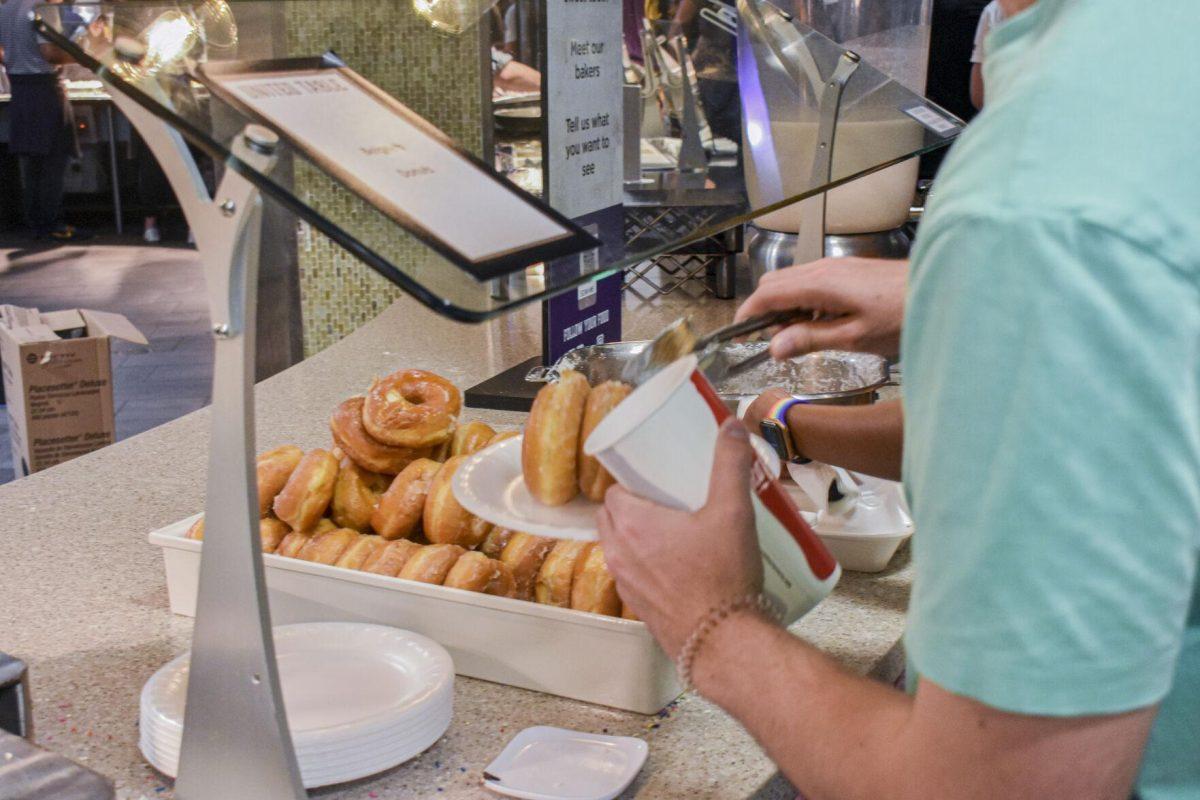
[[83, 597]]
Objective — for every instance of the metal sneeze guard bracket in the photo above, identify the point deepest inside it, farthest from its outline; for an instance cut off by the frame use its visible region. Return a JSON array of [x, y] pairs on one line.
[[236, 743]]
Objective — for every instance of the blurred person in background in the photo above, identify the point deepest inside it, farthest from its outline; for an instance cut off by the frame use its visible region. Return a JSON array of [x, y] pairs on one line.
[[42, 124]]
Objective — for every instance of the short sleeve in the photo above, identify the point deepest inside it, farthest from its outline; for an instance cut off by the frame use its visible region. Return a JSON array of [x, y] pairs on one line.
[[1052, 457], [986, 23]]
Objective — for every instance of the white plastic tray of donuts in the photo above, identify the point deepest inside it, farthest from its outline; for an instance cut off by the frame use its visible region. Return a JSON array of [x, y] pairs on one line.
[[598, 659]]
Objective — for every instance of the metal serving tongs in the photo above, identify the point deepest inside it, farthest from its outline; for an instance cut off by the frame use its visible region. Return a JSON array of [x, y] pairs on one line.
[[680, 339]]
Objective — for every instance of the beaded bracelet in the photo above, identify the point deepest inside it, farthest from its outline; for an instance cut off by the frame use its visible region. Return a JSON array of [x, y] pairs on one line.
[[759, 603]]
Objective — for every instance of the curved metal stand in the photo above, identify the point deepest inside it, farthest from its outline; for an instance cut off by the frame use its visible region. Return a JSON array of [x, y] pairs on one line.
[[236, 742]]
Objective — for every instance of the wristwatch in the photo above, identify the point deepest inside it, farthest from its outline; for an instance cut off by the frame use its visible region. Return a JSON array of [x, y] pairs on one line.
[[775, 430]]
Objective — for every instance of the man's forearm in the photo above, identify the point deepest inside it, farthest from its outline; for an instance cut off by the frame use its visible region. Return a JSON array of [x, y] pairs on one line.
[[867, 439], [838, 736], [832, 733]]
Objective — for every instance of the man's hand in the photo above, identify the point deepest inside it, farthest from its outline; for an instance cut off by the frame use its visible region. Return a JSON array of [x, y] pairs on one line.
[[673, 567], [859, 305]]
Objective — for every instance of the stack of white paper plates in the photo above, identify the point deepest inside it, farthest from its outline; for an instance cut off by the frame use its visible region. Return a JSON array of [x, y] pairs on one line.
[[360, 699]]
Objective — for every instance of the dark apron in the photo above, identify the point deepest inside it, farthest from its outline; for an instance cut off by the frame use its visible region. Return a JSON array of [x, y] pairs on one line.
[[40, 117]]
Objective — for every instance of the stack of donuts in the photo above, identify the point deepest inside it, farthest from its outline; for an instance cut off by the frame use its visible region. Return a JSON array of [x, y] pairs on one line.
[[564, 414], [380, 501]]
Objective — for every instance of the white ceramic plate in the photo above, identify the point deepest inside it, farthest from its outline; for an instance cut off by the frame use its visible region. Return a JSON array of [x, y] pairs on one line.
[[545, 763], [491, 485]]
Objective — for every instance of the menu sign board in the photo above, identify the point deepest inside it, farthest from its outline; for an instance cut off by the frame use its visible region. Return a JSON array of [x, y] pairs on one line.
[[584, 155], [398, 162]]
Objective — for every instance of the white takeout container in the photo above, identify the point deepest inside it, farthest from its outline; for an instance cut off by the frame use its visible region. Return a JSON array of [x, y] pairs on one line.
[[659, 443], [863, 552], [591, 657]]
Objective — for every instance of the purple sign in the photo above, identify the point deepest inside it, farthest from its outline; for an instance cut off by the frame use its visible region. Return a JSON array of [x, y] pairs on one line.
[[590, 313]]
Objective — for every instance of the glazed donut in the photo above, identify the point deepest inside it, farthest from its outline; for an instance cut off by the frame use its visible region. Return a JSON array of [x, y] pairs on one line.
[[431, 563], [475, 572], [553, 585], [441, 452], [308, 491], [293, 543], [593, 588], [444, 520], [196, 531], [391, 557], [323, 524], [359, 551], [494, 544], [525, 555], [594, 479], [470, 438], [346, 424], [271, 532], [355, 496], [502, 436], [272, 470], [400, 508], [627, 613], [327, 548], [411, 408], [551, 444]]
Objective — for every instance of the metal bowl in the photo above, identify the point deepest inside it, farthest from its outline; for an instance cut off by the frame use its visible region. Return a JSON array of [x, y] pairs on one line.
[[830, 377]]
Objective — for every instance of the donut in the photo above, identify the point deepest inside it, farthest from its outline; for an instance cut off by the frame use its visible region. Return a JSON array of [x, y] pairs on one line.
[[444, 520], [627, 613], [346, 425], [503, 436], [400, 508], [525, 554], [431, 563], [271, 532], [359, 551], [553, 585], [551, 444], [308, 491], [594, 479], [496, 539], [355, 495], [196, 531], [272, 470], [469, 438], [323, 524], [411, 408], [293, 543], [327, 548], [390, 558], [593, 588], [475, 572]]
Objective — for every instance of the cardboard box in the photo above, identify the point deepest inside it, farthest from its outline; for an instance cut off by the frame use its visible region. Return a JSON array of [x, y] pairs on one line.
[[58, 382]]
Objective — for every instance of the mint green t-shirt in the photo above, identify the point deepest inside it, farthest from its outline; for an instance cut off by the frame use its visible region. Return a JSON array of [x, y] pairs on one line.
[[1052, 381]]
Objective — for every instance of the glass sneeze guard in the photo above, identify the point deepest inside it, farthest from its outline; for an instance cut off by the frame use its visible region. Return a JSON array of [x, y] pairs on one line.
[[180, 35]]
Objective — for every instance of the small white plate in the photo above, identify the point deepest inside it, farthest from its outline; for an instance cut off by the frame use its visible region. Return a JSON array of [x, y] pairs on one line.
[[360, 699], [491, 485], [545, 763]]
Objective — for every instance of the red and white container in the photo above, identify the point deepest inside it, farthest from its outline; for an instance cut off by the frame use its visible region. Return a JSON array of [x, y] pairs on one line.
[[659, 444]]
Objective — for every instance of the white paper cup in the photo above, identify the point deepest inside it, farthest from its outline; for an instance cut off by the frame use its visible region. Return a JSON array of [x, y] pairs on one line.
[[659, 444]]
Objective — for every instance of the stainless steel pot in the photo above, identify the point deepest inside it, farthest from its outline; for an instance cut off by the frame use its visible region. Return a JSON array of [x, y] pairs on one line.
[[830, 377]]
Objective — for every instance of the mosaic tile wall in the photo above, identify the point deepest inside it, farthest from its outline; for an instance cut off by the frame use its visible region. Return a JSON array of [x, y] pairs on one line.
[[436, 75]]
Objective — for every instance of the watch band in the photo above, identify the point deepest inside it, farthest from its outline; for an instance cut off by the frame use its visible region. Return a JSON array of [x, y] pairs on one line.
[[778, 413]]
